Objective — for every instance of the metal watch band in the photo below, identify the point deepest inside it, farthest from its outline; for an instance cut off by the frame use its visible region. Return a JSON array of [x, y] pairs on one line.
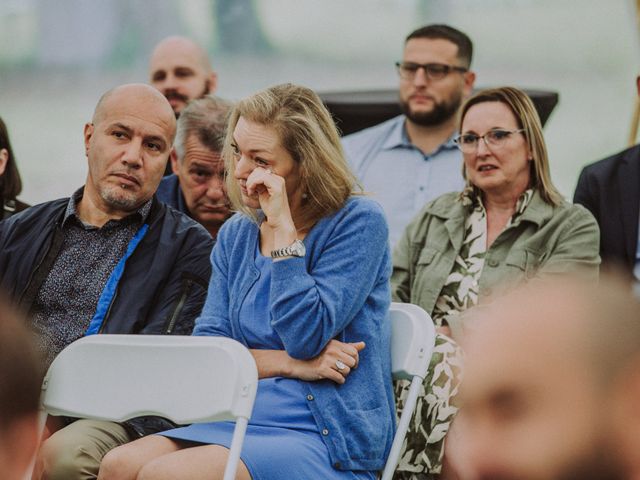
[[296, 249]]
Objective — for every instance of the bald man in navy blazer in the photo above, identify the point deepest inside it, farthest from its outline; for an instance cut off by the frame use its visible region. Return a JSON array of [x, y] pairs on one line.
[[610, 189]]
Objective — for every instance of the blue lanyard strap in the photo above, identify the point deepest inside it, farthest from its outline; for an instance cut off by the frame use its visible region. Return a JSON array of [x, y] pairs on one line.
[[112, 283]]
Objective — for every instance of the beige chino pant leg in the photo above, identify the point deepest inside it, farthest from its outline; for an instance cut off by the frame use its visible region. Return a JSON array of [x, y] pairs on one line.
[[75, 451]]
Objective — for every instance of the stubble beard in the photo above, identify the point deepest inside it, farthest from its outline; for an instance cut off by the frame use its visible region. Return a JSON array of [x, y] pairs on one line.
[[120, 198], [439, 114], [205, 92]]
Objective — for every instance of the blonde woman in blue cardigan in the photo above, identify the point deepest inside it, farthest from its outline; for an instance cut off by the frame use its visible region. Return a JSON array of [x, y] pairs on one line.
[[300, 276]]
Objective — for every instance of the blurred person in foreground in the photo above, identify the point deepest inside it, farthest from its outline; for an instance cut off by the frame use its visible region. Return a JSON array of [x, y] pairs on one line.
[[552, 385], [20, 383], [305, 262], [610, 189], [508, 226], [196, 186], [10, 182], [180, 69], [110, 259]]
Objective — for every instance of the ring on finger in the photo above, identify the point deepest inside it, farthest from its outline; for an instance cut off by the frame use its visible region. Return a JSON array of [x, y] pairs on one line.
[[340, 365]]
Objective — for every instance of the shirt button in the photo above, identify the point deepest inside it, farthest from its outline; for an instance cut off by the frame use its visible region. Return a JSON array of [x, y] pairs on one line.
[[309, 397], [493, 262], [325, 432], [336, 465]]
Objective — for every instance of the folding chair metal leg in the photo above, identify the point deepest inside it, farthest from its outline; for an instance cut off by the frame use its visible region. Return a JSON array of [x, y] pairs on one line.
[[236, 447], [403, 426]]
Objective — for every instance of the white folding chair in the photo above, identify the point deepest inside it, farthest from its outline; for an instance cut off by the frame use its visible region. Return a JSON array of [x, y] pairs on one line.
[[413, 338], [182, 378]]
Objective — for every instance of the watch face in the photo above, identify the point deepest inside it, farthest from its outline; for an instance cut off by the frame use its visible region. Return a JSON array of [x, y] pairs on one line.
[[298, 249]]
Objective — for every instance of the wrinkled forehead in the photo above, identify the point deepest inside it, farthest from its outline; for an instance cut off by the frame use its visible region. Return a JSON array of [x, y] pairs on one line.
[[178, 56], [150, 113], [490, 114], [256, 137], [196, 153], [431, 50]]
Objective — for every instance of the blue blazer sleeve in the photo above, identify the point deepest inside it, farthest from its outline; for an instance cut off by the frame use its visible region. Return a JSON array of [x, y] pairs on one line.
[[312, 304]]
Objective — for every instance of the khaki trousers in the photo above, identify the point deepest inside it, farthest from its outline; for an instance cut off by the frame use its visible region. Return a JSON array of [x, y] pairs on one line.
[[75, 451]]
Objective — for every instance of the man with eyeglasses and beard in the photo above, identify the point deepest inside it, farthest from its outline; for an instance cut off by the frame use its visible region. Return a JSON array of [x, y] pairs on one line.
[[411, 159]]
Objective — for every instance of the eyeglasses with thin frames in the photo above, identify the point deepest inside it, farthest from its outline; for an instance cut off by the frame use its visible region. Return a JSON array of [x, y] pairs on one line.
[[433, 71], [468, 142]]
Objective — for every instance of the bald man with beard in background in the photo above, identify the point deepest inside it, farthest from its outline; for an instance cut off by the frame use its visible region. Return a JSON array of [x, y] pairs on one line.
[[180, 69]]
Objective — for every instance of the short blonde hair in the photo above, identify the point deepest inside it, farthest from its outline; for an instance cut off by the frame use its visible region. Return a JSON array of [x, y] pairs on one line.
[[307, 131], [528, 119]]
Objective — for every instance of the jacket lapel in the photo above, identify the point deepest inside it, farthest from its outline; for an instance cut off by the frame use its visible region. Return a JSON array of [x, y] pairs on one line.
[[629, 192], [538, 211]]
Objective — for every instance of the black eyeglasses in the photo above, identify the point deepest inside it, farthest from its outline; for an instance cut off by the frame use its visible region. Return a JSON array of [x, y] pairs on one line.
[[468, 142], [434, 71]]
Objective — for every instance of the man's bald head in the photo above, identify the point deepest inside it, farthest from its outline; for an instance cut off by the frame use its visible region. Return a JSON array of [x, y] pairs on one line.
[[181, 71], [541, 374], [139, 93]]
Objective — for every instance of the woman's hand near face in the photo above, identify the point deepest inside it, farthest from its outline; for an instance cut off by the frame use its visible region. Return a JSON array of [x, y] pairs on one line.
[[271, 192]]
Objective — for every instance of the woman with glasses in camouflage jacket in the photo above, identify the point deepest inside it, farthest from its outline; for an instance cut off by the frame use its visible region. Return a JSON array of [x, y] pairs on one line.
[[507, 226]]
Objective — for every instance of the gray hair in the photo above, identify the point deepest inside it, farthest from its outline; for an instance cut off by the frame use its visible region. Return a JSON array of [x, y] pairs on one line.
[[207, 119]]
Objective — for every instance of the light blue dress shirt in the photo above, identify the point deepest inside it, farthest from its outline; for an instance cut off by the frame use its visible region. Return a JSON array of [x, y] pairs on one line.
[[398, 175]]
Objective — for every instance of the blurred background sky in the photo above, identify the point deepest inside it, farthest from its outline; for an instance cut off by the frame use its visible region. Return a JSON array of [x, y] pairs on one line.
[[58, 56]]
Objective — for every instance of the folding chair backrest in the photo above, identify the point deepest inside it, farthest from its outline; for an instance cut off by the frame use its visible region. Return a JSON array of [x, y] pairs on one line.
[[186, 379], [412, 343]]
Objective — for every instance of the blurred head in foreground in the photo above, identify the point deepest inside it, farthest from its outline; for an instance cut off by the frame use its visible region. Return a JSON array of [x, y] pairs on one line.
[[552, 384], [20, 382]]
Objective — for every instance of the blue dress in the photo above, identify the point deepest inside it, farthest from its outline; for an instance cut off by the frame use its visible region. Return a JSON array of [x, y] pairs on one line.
[[282, 439]]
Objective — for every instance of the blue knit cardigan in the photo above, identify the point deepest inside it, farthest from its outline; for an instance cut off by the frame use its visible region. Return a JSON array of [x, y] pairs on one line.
[[340, 289]]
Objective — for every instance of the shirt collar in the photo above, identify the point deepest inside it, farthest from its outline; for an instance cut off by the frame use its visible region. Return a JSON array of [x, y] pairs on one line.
[[397, 135], [399, 138], [472, 199], [140, 215]]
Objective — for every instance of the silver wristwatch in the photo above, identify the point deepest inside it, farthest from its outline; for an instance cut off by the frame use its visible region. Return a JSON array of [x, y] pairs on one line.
[[296, 249]]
